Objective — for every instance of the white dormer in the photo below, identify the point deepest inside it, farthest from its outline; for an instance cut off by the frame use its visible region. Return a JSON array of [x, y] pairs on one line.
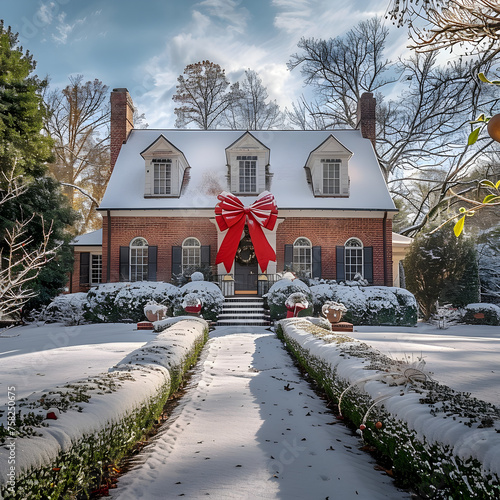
[[328, 165], [248, 166], [165, 169]]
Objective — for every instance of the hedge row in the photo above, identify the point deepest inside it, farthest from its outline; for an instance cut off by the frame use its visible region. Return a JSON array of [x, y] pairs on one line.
[[443, 444], [99, 419]]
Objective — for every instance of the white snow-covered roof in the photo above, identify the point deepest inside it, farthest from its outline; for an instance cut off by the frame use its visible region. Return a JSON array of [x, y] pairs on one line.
[[205, 151], [400, 240], [93, 238]]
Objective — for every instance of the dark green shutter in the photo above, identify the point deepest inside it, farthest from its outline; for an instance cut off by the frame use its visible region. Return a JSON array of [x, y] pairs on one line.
[[176, 260], [152, 260], [205, 255], [288, 264], [368, 264], [84, 268], [316, 262], [124, 263], [340, 263]]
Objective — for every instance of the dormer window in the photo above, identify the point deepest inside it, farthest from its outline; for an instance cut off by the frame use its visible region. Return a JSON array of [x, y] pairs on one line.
[[331, 175], [328, 167], [248, 173], [248, 166], [166, 168], [162, 175]]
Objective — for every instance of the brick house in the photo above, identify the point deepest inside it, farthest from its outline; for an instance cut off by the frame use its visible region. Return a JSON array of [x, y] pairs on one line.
[[314, 202]]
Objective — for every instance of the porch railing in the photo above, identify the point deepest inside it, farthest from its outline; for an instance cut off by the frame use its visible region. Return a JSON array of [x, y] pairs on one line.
[[226, 283]]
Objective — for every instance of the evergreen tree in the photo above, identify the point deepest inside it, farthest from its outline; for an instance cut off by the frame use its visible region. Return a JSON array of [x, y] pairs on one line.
[[441, 267], [24, 152]]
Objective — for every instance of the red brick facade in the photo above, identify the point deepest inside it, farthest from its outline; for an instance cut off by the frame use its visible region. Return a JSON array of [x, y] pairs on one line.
[[166, 232]]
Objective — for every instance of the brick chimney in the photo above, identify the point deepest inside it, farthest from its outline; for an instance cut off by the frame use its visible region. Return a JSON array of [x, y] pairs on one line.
[[366, 116], [122, 121]]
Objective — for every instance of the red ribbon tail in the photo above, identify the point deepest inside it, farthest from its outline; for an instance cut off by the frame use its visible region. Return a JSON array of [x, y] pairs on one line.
[[263, 250], [229, 246]]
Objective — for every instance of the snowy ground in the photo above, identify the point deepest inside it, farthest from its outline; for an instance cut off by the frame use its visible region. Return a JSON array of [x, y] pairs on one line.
[[466, 358], [240, 434], [34, 358]]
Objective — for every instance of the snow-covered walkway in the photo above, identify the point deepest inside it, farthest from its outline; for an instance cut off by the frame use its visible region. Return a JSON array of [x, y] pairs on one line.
[[251, 428]]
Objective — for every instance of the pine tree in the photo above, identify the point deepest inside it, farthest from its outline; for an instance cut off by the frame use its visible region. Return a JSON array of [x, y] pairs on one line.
[[38, 207], [441, 267]]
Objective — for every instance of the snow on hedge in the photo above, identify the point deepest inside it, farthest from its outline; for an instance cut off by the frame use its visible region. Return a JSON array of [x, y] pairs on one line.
[[101, 416], [369, 305], [208, 292], [447, 442]]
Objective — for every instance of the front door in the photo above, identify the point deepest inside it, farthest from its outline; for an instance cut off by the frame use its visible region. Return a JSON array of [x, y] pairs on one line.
[[246, 270]]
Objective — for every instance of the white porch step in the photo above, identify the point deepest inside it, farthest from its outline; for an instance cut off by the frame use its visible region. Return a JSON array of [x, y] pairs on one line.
[[243, 311]]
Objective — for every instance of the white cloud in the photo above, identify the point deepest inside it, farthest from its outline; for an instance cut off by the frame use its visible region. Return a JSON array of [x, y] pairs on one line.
[[224, 32], [64, 29]]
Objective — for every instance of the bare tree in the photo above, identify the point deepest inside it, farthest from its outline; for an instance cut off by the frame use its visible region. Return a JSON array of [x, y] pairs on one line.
[[421, 141], [20, 263], [341, 69], [205, 95], [79, 125], [252, 111], [471, 22]]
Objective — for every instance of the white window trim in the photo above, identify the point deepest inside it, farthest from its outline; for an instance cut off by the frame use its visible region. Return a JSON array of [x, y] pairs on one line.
[[136, 247], [185, 246], [346, 247], [98, 269], [308, 271]]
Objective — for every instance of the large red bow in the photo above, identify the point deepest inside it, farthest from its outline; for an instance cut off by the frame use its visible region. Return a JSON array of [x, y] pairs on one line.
[[231, 214]]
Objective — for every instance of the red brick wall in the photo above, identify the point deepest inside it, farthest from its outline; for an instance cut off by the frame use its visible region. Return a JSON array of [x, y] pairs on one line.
[[327, 233], [122, 121], [74, 286], [330, 233], [163, 232]]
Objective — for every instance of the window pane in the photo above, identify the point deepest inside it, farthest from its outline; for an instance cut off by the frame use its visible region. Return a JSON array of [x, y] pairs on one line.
[[331, 176], [248, 173]]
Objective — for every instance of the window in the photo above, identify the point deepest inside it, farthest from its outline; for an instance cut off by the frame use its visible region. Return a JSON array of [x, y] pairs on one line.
[[248, 173], [302, 258], [96, 269], [138, 260], [191, 253], [162, 181], [353, 258], [331, 175]]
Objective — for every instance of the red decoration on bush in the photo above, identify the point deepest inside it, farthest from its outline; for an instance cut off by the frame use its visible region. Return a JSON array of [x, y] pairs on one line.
[[193, 309], [51, 416], [293, 312]]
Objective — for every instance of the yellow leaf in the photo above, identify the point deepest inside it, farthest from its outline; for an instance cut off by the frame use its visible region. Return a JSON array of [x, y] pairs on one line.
[[459, 226]]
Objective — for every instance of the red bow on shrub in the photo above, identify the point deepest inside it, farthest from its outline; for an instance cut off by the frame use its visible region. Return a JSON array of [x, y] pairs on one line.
[[231, 214]]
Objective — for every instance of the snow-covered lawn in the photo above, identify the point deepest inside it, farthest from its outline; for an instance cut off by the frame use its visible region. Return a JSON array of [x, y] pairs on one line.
[[239, 433], [34, 358], [464, 357]]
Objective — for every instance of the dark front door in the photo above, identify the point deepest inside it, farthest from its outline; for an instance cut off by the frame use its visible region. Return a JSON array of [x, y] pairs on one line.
[[246, 269]]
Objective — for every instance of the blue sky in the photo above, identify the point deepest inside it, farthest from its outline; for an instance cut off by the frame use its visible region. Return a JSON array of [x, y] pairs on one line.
[[145, 45]]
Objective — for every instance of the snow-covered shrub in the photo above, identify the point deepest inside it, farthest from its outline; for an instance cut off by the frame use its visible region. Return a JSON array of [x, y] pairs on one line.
[[116, 302], [210, 295], [481, 314], [446, 316], [197, 276], [278, 294], [187, 275], [67, 309], [441, 443], [373, 305], [488, 250]]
